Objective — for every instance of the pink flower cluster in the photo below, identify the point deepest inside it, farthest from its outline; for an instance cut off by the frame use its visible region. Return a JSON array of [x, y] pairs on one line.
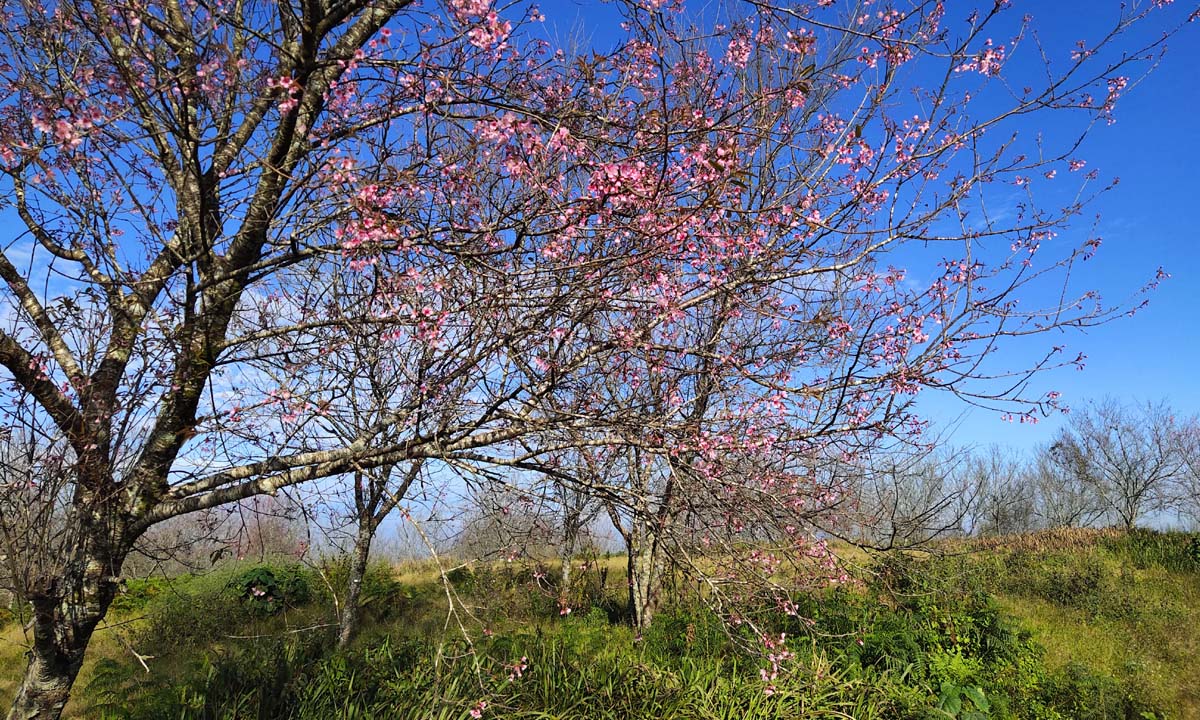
[[777, 655], [987, 62], [67, 131], [290, 88], [489, 30], [465, 10], [517, 669], [738, 53], [624, 183], [490, 33]]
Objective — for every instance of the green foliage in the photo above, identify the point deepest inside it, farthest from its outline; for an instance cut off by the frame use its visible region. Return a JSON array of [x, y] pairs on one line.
[[687, 632], [1113, 611], [198, 609], [137, 593], [252, 680], [512, 590], [1144, 548], [115, 692], [1084, 694], [965, 702], [1083, 580], [1080, 583], [267, 590], [921, 638], [381, 594]]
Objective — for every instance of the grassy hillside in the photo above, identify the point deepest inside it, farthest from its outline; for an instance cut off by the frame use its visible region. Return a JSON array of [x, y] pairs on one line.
[[1126, 605], [1069, 624]]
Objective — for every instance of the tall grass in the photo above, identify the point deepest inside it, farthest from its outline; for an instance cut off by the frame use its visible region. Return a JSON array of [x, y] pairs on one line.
[[1051, 628]]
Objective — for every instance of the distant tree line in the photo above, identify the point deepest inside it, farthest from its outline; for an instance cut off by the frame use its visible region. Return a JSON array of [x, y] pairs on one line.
[[1112, 464]]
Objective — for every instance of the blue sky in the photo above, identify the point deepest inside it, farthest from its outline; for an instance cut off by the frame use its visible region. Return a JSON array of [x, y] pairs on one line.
[[1147, 221]]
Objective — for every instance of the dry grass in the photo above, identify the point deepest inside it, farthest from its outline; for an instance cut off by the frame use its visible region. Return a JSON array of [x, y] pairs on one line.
[[1054, 540]]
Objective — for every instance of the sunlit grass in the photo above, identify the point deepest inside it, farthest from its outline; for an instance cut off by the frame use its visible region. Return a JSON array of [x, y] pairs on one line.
[[1157, 644], [1137, 621]]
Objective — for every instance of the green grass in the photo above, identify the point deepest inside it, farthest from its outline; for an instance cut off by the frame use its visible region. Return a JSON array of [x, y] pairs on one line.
[[1047, 627], [1141, 623]]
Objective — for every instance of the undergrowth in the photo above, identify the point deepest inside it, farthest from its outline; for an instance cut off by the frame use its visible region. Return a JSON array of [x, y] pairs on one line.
[[915, 639]]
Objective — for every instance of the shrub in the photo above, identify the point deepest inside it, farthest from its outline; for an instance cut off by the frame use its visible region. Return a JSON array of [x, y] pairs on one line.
[[195, 609], [1080, 693], [381, 594], [267, 589], [1193, 550], [137, 593], [1145, 548], [1076, 583]]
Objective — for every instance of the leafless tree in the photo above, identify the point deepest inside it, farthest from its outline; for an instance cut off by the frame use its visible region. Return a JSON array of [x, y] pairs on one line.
[[33, 501], [910, 496], [1127, 455], [1063, 498], [1005, 501], [1185, 491]]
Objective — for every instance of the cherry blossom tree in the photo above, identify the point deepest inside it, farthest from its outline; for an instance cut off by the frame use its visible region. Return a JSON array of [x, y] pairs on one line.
[[180, 172], [736, 247]]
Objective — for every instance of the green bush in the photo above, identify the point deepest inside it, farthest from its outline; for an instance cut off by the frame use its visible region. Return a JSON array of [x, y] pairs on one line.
[[137, 593], [267, 589], [199, 609], [1145, 548], [193, 610], [381, 594], [1081, 693], [1076, 583]]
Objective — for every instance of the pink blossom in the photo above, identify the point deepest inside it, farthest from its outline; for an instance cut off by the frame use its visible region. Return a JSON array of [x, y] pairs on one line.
[[738, 53], [988, 62], [463, 10], [491, 33], [517, 669]]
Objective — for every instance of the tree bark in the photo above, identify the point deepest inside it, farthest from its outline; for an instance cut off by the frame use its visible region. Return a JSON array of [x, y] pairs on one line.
[[66, 611], [352, 611], [644, 578], [567, 553]]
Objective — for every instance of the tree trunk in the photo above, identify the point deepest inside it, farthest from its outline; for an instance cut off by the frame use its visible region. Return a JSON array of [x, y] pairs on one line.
[[65, 614], [564, 580], [352, 611], [644, 578], [565, 558]]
